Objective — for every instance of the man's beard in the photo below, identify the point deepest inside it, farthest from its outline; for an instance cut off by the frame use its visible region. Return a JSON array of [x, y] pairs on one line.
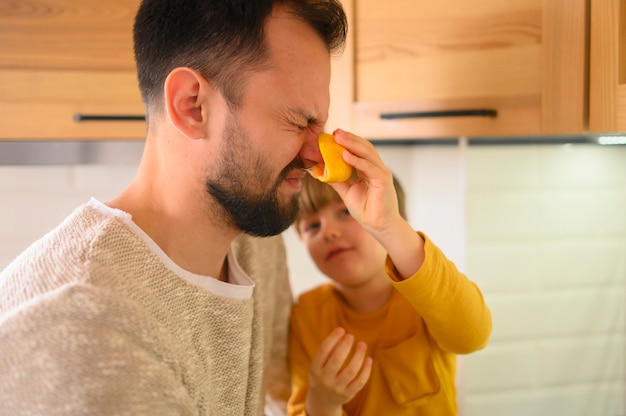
[[242, 188]]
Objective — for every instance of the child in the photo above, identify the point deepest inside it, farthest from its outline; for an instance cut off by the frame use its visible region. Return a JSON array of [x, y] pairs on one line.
[[392, 290]]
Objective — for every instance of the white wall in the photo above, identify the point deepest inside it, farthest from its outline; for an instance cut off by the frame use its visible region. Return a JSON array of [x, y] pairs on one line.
[[545, 228], [34, 199]]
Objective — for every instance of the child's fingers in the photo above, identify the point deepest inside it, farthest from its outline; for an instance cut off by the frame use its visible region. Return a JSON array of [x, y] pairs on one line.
[[352, 368], [361, 154], [355, 144], [364, 374], [339, 354], [335, 376], [326, 348]]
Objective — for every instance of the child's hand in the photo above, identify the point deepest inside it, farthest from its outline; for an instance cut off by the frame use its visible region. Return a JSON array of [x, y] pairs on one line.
[[335, 377], [373, 202], [371, 199]]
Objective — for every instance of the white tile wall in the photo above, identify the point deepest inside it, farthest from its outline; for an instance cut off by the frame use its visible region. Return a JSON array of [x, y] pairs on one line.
[[545, 228], [546, 242], [34, 199]]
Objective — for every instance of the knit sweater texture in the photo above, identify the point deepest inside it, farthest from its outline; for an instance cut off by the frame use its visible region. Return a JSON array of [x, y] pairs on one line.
[[92, 321]]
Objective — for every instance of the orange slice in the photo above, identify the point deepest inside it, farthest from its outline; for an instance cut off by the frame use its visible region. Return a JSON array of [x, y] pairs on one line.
[[334, 169]]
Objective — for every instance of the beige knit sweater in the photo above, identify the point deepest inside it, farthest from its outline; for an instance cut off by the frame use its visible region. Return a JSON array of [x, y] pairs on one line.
[[93, 322]]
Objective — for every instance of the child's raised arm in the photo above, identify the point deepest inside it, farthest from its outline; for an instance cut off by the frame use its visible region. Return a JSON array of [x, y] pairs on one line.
[[372, 201]]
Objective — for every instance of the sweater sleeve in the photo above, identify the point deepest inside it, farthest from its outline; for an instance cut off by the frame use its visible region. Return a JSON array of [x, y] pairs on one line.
[[299, 364], [451, 305], [265, 261], [279, 299], [71, 352]]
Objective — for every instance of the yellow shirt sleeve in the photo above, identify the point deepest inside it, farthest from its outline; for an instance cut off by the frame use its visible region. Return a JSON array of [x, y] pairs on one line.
[[451, 305]]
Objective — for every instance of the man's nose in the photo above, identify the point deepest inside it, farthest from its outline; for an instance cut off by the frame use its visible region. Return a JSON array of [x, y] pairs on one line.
[[310, 151]]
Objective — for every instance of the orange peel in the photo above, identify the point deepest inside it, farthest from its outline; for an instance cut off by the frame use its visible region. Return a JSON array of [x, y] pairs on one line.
[[334, 169]]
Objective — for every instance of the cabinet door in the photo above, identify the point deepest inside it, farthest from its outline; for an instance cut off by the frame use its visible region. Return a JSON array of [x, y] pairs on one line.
[[607, 107], [436, 58], [44, 104], [63, 59]]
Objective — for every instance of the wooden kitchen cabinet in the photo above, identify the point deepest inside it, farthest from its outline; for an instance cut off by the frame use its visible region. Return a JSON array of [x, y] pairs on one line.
[[526, 60], [63, 59], [607, 84]]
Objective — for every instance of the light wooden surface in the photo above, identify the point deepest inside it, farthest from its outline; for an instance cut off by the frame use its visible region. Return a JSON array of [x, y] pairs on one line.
[[342, 79], [59, 58], [564, 67], [527, 59], [607, 111], [421, 49], [519, 115], [67, 34], [40, 105]]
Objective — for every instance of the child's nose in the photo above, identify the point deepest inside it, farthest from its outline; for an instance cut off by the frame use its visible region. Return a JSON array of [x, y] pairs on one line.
[[331, 231]]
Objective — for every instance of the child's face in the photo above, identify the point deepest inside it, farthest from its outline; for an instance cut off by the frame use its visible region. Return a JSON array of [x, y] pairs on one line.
[[340, 246]]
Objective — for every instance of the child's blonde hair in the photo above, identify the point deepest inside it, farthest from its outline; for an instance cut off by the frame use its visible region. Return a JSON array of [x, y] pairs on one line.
[[315, 195]]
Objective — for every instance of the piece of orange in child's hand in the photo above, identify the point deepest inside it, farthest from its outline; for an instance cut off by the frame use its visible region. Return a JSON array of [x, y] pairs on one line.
[[334, 169]]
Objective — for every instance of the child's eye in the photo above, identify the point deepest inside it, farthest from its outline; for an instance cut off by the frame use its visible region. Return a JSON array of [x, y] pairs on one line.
[[344, 212], [310, 227]]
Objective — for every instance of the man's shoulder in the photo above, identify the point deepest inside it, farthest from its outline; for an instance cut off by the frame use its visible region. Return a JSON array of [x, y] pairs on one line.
[[256, 254], [60, 258]]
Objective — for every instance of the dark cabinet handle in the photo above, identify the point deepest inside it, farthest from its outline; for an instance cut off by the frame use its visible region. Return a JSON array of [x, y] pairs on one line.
[[444, 113], [96, 117]]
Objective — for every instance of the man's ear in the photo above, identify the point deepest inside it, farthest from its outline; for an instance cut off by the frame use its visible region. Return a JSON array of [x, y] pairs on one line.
[[185, 102]]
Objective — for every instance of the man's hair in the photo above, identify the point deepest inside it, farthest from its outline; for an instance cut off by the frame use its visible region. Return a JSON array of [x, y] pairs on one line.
[[223, 40], [315, 195]]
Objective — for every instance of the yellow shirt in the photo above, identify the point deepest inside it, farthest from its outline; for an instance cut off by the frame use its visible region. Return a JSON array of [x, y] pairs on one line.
[[413, 340]]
